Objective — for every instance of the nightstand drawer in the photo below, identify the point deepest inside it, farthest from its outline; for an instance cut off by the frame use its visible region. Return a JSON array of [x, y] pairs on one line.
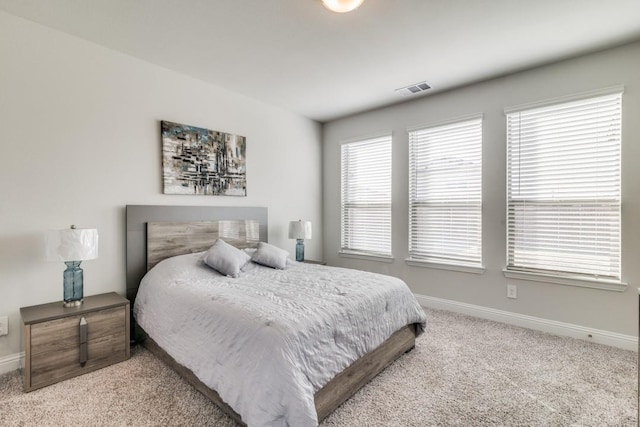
[[53, 350], [65, 331], [54, 366]]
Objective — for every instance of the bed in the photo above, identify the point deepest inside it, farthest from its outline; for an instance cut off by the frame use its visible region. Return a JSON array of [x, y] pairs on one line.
[[292, 376]]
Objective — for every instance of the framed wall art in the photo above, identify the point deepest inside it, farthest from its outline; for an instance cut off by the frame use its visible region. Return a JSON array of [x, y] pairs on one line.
[[202, 161]]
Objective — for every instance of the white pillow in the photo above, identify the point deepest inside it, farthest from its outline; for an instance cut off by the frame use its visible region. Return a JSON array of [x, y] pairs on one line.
[[271, 256], [226, 259]]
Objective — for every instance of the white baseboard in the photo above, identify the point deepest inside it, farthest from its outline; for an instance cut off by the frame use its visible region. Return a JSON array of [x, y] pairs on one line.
[[11, 362], [627, 342]]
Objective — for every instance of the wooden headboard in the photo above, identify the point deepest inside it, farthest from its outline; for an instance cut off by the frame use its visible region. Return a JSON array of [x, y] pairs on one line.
[[203, 229], [168, 239]]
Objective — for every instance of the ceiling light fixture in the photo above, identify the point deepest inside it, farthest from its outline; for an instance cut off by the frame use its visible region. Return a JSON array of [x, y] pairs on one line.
[[342, 6]]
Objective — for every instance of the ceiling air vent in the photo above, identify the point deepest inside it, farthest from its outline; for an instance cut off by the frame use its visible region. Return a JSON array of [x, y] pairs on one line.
[[414, 89]]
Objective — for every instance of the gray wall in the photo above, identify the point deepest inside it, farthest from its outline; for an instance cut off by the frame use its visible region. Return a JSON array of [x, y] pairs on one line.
[[592, 308], [81, 139]]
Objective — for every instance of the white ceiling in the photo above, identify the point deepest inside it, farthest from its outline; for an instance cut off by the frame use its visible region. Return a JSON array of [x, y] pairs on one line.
[[324, 65]]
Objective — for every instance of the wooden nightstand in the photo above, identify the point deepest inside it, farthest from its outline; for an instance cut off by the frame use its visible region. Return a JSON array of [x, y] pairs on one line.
[[53, 343], [310, 261]]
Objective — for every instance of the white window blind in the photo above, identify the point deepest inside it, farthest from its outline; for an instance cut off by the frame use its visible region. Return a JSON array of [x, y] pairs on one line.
[[563, 189], [445, 193], [366, 197]]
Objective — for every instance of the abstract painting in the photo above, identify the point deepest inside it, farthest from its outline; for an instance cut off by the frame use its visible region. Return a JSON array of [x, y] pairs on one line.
[[203, 161]]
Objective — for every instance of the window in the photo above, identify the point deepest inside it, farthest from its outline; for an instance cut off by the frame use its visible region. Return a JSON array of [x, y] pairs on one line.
[[445, 194], [563, 189], [366, 197]]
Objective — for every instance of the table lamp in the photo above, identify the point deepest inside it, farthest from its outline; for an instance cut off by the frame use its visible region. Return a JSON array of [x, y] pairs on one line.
[[72, 246], [300, 230]]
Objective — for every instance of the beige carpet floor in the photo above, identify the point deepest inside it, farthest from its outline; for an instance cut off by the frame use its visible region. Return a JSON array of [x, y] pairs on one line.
[[464, 371]]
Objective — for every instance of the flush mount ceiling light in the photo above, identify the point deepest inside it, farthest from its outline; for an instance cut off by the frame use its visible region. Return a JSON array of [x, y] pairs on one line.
[[342, 6]]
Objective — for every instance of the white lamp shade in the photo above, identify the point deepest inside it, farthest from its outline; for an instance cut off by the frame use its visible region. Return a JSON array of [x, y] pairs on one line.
[[342, 6], [72, 244], [300, 229]]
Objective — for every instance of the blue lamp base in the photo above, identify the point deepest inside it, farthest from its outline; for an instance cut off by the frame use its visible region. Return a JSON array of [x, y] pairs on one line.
[[73, 278], [300, 250]]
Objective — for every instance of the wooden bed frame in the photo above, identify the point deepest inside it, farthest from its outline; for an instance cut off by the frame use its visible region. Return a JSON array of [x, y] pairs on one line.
[[165, 239]]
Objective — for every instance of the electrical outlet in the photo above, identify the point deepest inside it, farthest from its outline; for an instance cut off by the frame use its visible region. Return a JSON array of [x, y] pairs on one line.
[[4, 325], [512, 291]]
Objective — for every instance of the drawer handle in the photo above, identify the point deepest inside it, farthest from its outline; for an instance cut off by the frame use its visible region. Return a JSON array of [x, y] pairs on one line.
[[83, 342]]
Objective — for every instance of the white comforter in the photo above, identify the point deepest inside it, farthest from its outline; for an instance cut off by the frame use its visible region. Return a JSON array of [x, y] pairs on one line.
[[268, 340]]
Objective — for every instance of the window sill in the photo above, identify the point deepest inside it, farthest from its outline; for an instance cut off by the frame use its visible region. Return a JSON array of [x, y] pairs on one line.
[[607, 285], [443, 266], [366, 257]]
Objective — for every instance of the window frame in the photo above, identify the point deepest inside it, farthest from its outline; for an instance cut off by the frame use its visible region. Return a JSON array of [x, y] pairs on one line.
[[439, 260], [349, 251], [550, 275]]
